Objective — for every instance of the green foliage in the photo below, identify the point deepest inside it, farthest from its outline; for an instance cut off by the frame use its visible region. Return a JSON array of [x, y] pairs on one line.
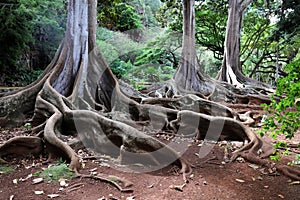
[[148, 73], [147, 9], [289, 19], [15, 32], [285, 115], [6, 169], [22, 76], [117, 47], [120, 68], [49, 27], [162, 50], [30, 32], [296, 161], [119, 16], [211, 18], [54, 173], [109, 52]]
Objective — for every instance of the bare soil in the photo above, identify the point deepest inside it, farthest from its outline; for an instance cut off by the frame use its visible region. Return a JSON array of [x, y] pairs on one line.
[[212, 178]]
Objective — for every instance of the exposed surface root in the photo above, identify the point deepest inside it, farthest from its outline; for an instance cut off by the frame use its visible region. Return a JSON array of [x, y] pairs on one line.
[[289, 171], [119, 183], [22, 145]]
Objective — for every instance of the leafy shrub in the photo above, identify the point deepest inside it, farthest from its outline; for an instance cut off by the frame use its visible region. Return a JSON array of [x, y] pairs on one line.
[[285, 114], [21, 77], [108, 51], [120, 68]]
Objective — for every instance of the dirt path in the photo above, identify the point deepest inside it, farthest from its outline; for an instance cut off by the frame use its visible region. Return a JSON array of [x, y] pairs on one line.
[[211, 179]]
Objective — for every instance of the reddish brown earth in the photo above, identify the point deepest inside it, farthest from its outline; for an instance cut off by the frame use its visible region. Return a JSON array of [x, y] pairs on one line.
[[211, 179]]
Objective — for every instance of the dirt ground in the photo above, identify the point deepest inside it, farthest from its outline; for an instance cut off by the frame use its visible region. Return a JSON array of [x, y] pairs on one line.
[[211, 179]]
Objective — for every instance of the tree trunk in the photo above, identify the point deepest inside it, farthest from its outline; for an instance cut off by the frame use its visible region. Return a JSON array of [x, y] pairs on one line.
[[231, 60], [188, 76], [231, 69]]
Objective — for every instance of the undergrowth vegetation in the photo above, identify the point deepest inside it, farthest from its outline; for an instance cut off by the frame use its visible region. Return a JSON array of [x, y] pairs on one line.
[[284, 116], [56, 172]]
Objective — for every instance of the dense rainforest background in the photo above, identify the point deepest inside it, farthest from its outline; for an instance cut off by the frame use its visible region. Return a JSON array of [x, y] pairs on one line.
[[141, 39]]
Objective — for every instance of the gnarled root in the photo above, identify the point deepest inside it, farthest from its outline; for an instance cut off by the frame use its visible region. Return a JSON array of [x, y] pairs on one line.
[[22, 145]]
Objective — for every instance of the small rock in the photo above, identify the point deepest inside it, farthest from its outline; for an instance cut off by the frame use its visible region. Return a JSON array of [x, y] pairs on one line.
[[204, 183], [281, 196], [266, 186], [260, 178]]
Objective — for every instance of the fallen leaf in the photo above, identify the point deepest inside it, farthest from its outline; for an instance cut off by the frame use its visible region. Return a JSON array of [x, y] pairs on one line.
[[37, 180], [51, 196], [253, 166], [150, 186], [15, 181], [94, 169], [25, 179], [103, 164], [260, 178], [178, 187], [240, 180], [83, 165], [192, 176], [38, 192], [295, 183], [62, 182], [94, 173]]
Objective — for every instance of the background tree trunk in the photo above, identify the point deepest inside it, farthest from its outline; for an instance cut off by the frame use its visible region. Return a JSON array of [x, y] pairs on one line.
[[231, 61], [188, 76], [231, 71]]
